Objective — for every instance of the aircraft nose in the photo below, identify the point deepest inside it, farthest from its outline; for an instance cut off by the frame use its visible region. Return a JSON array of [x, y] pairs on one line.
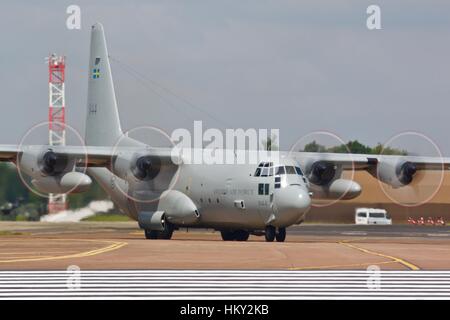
[[290, 204]]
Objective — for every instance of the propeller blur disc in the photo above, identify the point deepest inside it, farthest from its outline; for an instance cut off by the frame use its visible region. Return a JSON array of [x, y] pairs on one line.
[[142, 190], [422, 181], [39, 135], [322, 141]]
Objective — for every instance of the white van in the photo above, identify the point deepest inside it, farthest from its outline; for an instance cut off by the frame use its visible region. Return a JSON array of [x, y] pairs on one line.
[[372, 216]]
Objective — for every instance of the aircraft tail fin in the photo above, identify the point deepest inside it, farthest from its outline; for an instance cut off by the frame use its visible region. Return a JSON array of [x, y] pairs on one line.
[[102, 120]]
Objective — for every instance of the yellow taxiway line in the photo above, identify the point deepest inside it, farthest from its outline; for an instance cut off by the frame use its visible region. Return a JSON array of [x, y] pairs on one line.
[[346, 243], [113, 245], [364, 264], [403, 262]]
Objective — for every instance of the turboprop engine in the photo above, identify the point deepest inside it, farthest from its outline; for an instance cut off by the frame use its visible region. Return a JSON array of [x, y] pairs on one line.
[[395, 172], [326, 182], [138, 167], [147, 176], [52, 172]]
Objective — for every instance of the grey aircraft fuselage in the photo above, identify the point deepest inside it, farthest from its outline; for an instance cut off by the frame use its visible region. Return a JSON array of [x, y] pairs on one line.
[[224, 196]]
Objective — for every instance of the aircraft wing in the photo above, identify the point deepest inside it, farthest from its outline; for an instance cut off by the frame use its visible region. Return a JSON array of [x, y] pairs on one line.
[[351, 161], [8, 152], [91, 156]]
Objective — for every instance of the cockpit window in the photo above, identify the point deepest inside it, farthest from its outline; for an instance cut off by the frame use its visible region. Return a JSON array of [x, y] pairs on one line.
[[265, 172], [265, 169], [290, 170], [299, 171], [279, 171]]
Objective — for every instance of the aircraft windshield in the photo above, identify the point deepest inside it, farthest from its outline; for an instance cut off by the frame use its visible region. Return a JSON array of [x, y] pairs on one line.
[[280, 171], [299, 171], [290, 170], [266, 169]]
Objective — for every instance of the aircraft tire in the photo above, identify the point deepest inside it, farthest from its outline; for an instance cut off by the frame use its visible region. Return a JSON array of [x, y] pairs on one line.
[[241, 235], [270, 233], [281, 234], [167, 233], [151, 234], [227, 235]]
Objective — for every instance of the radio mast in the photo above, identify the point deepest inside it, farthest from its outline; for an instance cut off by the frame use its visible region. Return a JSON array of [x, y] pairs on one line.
[[56, 119]]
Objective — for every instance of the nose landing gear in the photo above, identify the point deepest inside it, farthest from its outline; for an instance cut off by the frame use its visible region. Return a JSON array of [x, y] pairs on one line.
[[271, 234], [281, 235]]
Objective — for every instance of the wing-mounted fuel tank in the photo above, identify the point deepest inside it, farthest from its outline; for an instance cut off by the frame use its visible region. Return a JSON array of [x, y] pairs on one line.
[[326, 181], [51, 172]]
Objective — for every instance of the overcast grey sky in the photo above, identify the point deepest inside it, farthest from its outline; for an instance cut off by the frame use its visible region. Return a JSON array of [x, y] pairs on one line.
[[299, 66]]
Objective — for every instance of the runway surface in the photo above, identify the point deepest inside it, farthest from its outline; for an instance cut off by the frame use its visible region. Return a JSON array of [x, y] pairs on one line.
[[224, 284], [121, 246]]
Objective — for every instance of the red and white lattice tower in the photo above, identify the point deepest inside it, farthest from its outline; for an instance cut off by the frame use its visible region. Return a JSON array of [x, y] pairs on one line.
[[56, 119]]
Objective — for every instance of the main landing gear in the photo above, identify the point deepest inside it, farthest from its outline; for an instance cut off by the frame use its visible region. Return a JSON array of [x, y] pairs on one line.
[[165, 234], [271, 234], [235, 235]]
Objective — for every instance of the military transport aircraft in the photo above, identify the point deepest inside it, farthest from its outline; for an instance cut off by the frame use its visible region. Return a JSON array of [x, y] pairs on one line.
[[238, 200]]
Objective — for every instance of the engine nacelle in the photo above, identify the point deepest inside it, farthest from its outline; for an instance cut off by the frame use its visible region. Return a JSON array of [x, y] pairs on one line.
[[51, 172], [322, 173], [73, 182], [138, 167], [395, 172], [42, 162]]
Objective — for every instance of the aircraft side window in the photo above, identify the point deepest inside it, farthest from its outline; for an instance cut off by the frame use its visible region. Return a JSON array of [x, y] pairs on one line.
[[299, 171], [257, 172], [290, 170], [261, 164], [260, 188], [279, 171], [266, 189], [266, 164], [270, 171], [263, 188]]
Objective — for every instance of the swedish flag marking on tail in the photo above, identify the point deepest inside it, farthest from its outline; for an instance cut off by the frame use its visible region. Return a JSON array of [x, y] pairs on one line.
[[96, 73]]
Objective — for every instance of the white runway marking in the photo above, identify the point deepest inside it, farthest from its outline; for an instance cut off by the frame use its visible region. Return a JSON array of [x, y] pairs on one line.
[[354, 233], [226, 284]]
